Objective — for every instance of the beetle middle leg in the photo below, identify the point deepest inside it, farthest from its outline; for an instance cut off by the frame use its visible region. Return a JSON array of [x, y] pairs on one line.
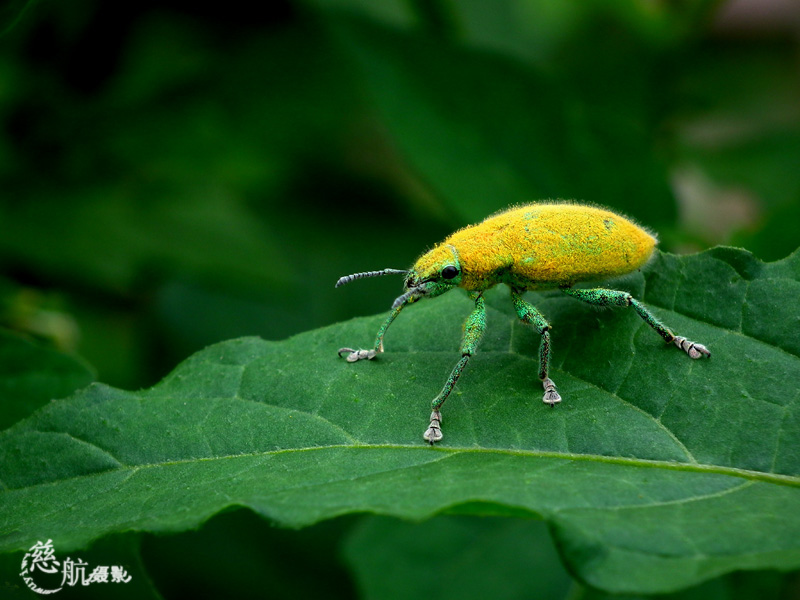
[[603, 297], [474, 327], [528, 314]]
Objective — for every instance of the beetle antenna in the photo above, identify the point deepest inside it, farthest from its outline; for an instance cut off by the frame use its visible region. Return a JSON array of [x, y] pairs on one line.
[[354, 276]]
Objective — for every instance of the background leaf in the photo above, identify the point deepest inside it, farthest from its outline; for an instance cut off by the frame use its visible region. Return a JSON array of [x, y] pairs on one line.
[[464, 557], [678, 467], [451, 554], [484, 131], [31, 375], [242, 554], [10, 12]]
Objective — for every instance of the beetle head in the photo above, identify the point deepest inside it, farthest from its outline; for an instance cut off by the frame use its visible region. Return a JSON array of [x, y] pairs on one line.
[[435, 272]]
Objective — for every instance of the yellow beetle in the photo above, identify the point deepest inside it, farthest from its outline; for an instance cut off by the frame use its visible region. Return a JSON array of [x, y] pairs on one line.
[[529, 247]]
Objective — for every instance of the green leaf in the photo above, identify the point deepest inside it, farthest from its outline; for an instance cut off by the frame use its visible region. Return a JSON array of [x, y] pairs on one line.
[[31, 375], [238, 552], [477, 558], [459, 557], [656, 472], [11, 12]]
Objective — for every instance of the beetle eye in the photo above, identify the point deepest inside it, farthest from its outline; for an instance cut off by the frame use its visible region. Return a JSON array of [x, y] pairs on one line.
[[449, 272]]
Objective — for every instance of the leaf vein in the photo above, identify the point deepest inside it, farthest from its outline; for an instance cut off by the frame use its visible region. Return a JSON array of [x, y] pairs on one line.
[[774, 478]]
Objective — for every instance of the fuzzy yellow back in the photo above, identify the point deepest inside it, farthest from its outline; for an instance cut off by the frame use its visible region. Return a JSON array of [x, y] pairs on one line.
[[538, 246]]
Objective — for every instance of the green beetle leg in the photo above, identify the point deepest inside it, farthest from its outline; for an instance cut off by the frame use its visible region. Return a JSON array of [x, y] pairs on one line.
[[473, 330], [603, 297], [356, 355], [528, 314]]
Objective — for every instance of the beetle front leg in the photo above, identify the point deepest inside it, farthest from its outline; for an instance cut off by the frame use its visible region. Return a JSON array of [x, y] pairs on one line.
[[474, 327], [356, 355], [528, 314]]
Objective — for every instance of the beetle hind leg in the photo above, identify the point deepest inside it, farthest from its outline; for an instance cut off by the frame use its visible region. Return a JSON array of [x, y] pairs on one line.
[[603, 297]]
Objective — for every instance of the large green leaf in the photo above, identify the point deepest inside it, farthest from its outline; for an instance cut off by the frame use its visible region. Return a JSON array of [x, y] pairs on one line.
[[655, 473]]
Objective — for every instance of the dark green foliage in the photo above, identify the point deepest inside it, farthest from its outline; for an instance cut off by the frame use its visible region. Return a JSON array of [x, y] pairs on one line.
[[31, 375]]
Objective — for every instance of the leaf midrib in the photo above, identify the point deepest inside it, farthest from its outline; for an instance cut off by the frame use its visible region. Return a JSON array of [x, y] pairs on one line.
[[747, 474]]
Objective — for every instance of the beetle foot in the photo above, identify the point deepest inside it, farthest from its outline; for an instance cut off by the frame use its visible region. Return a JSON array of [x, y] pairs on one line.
[[434, 432], [693, 349], [551, 396], [356, 355]]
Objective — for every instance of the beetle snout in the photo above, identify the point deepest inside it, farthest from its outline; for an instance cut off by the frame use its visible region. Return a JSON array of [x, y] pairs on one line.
[[412, 281]]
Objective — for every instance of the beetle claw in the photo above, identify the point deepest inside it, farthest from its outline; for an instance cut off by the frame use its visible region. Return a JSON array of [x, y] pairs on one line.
[[356, 355], [551, 396], [693, 349], [434, 432]]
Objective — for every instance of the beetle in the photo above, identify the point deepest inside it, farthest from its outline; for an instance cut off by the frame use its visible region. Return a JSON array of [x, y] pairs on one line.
[[535, 246]]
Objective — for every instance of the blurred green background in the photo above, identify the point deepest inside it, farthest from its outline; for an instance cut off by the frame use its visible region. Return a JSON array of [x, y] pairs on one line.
[[173, 174]]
